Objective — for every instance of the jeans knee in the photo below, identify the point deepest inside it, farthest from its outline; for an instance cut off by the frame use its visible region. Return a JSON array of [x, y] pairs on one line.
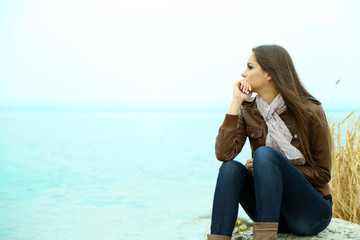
[[231, 168], [264, 155], [263, 151]]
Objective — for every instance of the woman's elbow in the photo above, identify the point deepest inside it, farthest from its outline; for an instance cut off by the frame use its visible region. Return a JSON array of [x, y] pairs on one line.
[[223, 157]]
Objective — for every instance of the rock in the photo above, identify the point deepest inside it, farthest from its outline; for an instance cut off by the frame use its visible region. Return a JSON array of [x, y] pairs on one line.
[[337, 230]]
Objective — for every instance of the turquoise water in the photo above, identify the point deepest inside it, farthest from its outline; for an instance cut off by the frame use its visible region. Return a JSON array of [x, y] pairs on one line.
[[108, 175]]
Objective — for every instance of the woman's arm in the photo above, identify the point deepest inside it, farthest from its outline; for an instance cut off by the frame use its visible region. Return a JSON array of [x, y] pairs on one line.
[[231, 138], [235, 106], [232, 135]]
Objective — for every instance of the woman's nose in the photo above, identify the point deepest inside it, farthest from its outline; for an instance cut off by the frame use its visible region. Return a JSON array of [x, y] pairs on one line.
[[243, 74]]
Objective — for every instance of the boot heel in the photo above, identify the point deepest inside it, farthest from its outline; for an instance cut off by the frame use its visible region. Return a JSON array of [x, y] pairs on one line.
[[218, 237], [265, 230]]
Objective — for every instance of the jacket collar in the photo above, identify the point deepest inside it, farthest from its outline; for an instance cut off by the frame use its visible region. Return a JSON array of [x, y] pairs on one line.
[[250, 102]]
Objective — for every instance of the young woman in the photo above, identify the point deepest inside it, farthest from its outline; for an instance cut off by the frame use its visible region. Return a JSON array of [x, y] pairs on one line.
[[284, 187]]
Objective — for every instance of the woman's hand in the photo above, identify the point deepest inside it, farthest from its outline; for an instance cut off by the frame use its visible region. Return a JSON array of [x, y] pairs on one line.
[[249, 165], [241, 90]]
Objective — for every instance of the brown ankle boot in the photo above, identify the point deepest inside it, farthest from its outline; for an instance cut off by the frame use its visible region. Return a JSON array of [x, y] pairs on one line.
[[265, 230], [218, 237]]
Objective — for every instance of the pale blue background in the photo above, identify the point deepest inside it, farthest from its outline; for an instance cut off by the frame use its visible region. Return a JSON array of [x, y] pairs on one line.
[[109, 109], [169, 53]]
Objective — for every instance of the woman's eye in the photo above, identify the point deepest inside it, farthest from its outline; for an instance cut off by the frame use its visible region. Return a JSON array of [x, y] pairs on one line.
[[250, 67]]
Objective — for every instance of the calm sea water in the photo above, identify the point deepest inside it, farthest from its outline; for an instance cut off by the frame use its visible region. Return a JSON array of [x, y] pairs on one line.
[[108, 175]]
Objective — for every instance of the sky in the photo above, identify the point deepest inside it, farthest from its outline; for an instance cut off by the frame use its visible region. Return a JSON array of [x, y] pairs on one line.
[[162, 53]]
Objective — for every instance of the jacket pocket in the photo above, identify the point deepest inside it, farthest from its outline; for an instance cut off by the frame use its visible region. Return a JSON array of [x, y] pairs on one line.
[[254, 133], [256, 137]]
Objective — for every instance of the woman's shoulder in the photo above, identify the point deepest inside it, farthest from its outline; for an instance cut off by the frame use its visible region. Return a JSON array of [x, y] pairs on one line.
[[313, 100], [314, 104]]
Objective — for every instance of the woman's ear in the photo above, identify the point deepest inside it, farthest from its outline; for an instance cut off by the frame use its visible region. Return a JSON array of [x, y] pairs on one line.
[[268, 76]]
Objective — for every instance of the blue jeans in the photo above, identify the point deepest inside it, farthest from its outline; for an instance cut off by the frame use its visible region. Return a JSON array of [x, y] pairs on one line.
[[277, 192]]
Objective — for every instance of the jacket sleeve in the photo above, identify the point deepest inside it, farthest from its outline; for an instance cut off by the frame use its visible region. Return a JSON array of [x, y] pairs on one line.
[[231, 137], [320, 147]]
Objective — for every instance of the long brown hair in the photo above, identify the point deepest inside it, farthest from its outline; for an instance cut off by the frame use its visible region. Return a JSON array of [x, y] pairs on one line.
[[277, 61]]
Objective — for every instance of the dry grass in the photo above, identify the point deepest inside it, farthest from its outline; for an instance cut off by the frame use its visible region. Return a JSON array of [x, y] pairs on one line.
[[345, 182]]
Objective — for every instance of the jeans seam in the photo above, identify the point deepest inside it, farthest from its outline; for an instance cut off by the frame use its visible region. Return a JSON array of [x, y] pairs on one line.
[[315, 225]]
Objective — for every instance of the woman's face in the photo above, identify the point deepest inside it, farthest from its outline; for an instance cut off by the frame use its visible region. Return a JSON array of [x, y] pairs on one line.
[[255, 75]]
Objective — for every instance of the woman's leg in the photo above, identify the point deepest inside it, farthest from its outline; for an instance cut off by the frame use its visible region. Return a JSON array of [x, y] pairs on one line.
[[234, 184], [280, 189]]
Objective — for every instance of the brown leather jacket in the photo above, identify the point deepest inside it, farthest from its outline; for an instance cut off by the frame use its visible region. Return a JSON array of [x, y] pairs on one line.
[[250, 124]]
